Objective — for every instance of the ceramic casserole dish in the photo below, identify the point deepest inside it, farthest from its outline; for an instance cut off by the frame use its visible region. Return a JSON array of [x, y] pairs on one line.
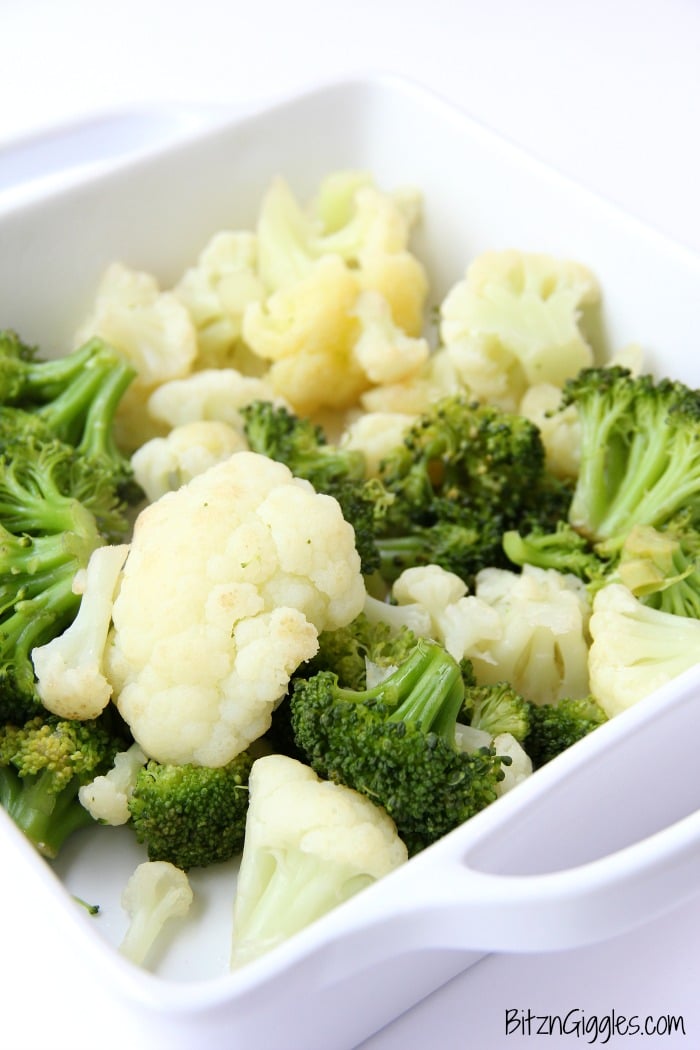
[[588, 847]]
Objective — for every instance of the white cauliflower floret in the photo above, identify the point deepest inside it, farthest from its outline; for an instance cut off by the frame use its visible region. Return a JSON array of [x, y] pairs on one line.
[[216, 292], [153, 330], [383, 350], [71, 679], [636, 649], [515, 320], [156, 893], [307, 330], [543, 645], [461, 622], [212, 395], [165, 463], [309, 845], [520, 767], [375, 434], [106, 798], [227, 585], [325, 269], [560, 428]]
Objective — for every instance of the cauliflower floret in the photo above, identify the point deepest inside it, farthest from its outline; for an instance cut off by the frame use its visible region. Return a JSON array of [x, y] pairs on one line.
[[153, 329], [71, 679], [214, 394], [317, 266], [228, 583], [559, 427], [438, 378], [166, 463], [375, 434], [383, 350], [520, 767], [461, 622], [307, 330], [636, 649], [543, 645], [106, 798], [156, 892], [216, 292], [309, 845], [515, 320]]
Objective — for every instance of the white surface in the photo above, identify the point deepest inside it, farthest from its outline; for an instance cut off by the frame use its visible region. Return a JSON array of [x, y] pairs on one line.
[[607, 92]]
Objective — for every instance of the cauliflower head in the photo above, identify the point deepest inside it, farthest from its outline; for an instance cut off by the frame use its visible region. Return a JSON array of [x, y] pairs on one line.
[[228, 582], [216, 292], [153, 330], [165, 463], [309, 845], [636, 649], [515, 320]]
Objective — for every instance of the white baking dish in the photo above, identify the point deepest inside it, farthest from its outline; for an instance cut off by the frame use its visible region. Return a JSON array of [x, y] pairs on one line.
[[591, 845]]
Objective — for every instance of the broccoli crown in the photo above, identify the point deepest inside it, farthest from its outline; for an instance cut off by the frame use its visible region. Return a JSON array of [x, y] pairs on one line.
[[555, 727], [467, 455], [191, 816], [466, 473], [43, 763], [640, 452], [497, 708], [45, 538], [662, 566], [73, 399], [395, 743], [463, 549], [563, 549]]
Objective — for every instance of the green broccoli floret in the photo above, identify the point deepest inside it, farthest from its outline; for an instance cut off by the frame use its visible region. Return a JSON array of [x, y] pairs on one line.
[[662, 567], [191, 816], [74, 399], [466, 473], [466, 457], [563, 549], [300, 444], [555, 727], [45, 538], [43, 763], [497, 708], [640, 453], [463, 549], [395, 743]]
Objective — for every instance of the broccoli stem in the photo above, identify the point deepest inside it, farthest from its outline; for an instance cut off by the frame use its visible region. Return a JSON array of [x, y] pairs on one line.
[[426, 690], [45, 816]]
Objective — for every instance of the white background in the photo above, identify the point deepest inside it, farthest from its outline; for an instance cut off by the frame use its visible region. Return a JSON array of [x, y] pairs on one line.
[[607, 91]]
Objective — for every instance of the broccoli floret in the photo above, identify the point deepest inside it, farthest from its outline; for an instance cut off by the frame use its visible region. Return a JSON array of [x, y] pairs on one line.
[[497, 708], [563, 549], [555, 727], [463, 549], [191, 816], [395, 743], [466, 473], [301, 444], [45, 538], [75, 399], [640, 453], [464, 456], [662, 567], [43, 764]]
